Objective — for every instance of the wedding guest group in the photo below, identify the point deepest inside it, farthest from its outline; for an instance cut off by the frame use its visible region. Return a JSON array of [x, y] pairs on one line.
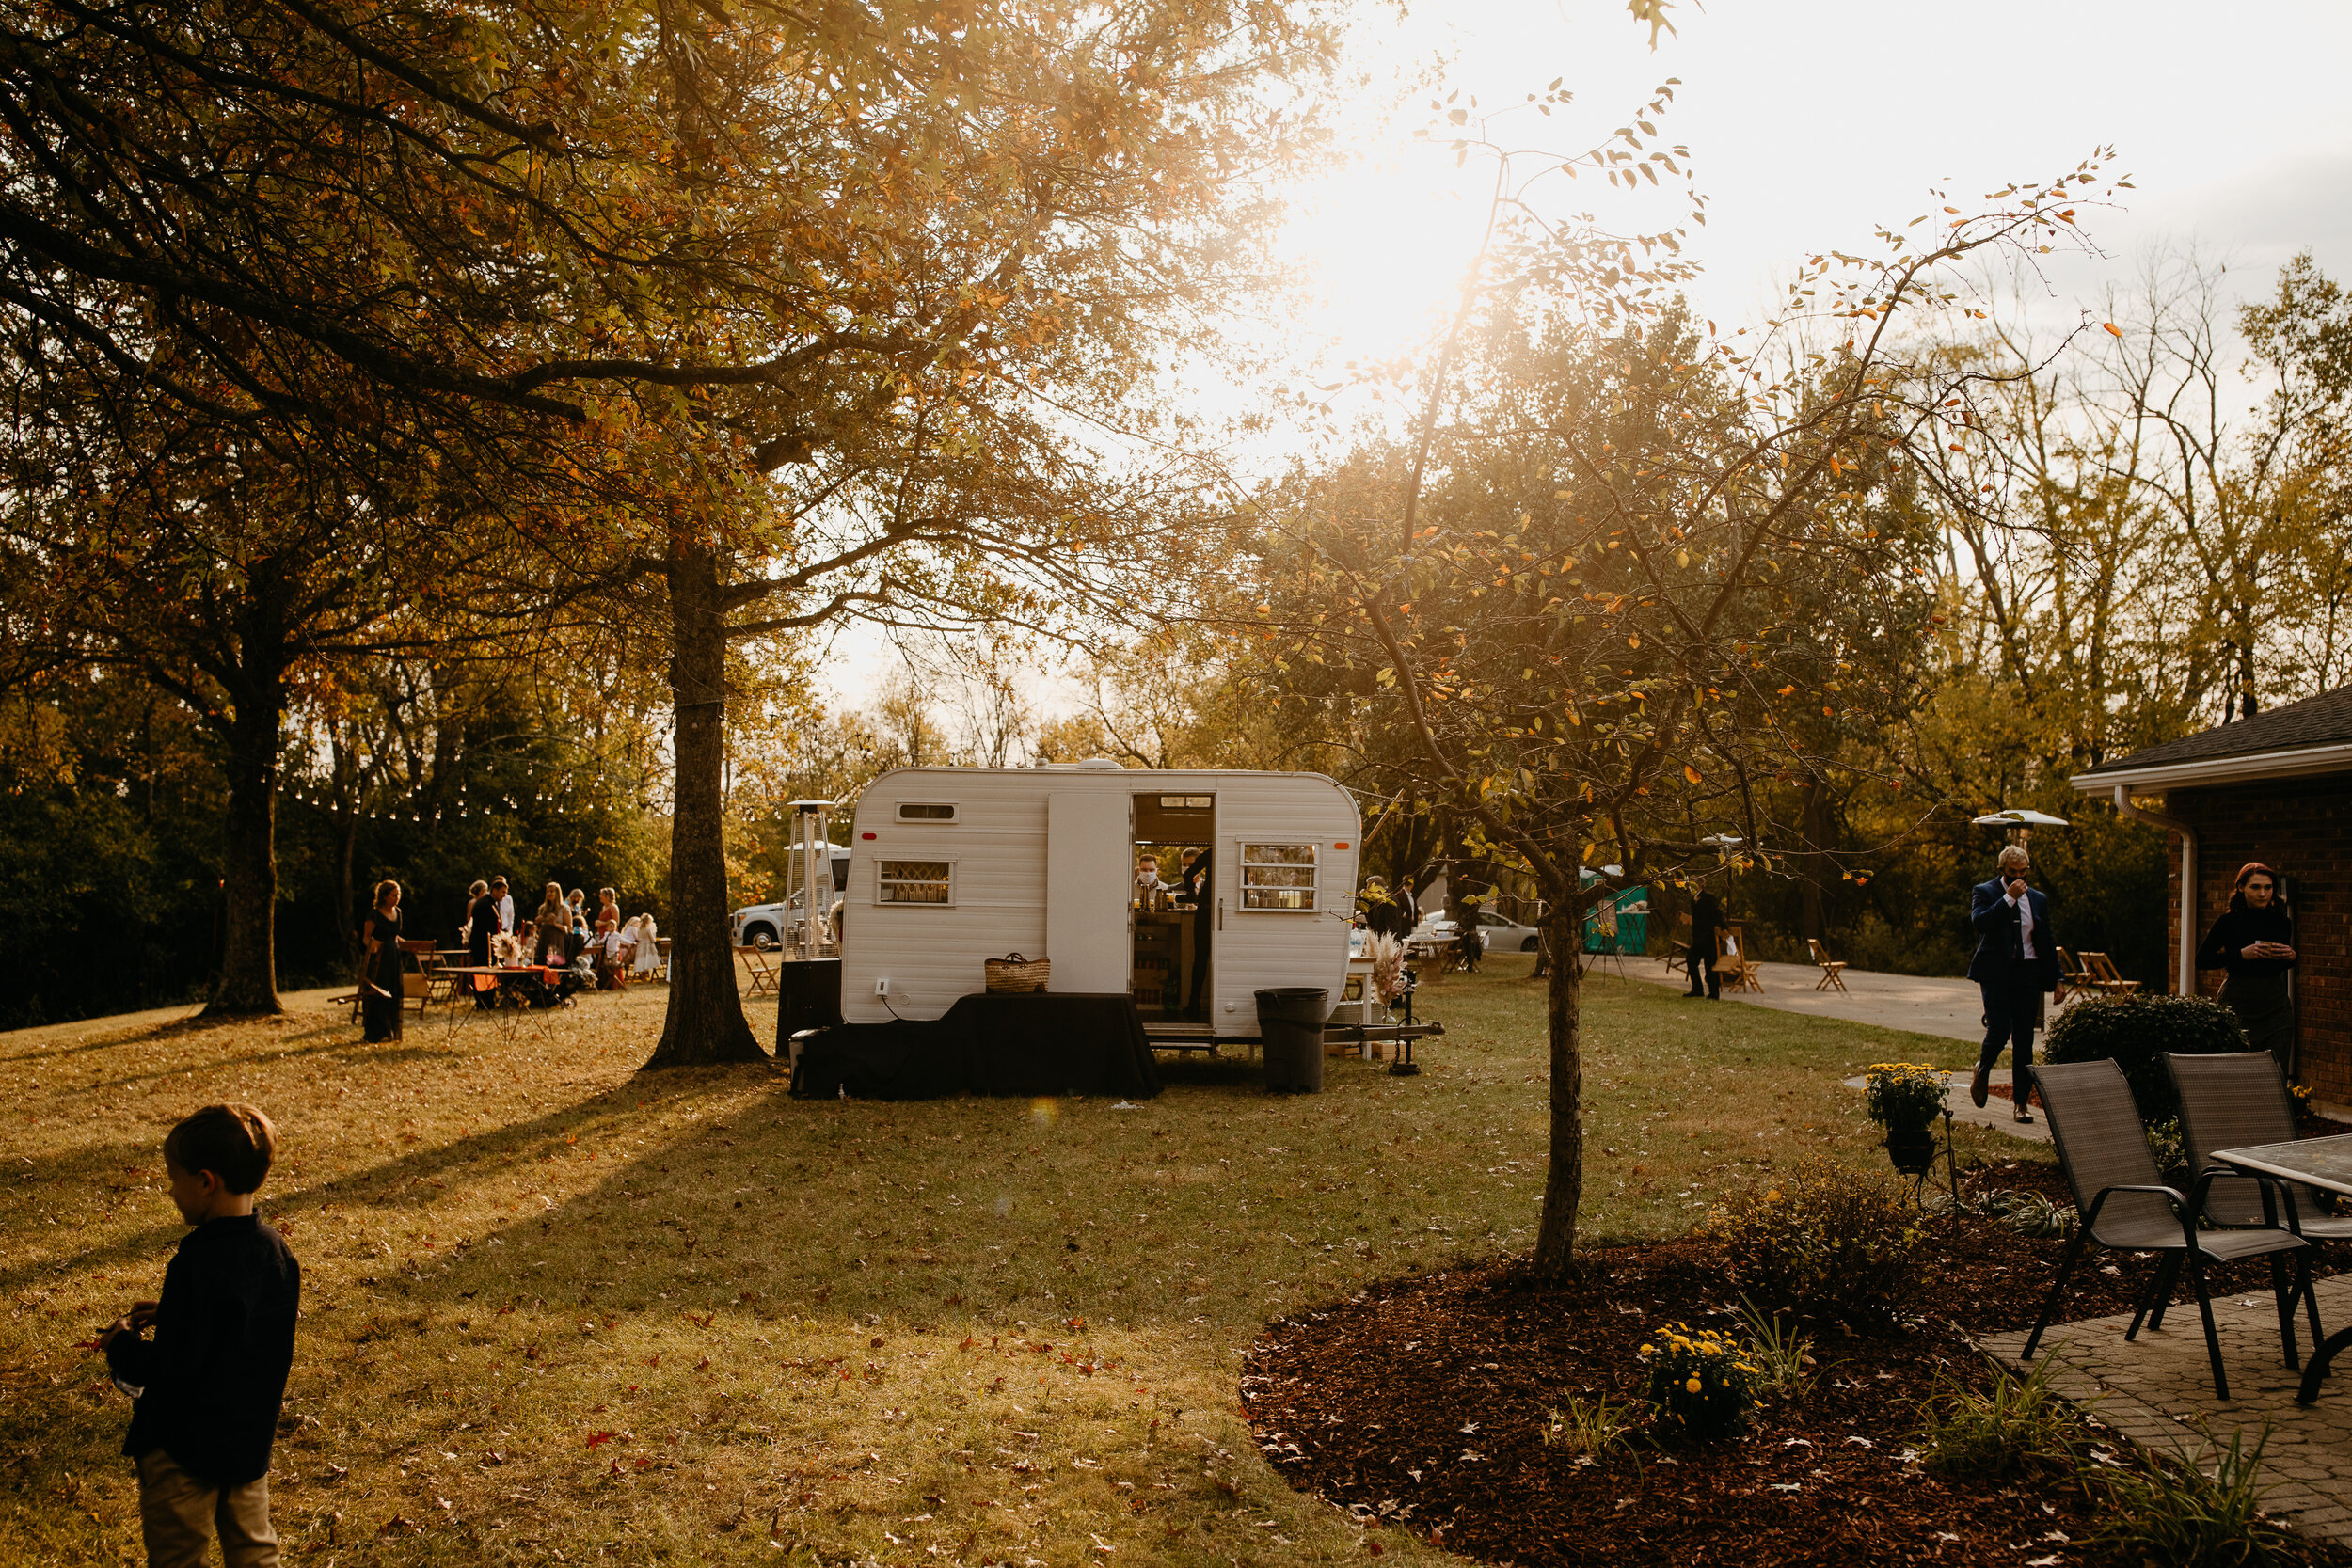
[[560, 949]]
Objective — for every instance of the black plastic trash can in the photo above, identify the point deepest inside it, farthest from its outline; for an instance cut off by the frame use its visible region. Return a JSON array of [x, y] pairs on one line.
[[1290, 1030]]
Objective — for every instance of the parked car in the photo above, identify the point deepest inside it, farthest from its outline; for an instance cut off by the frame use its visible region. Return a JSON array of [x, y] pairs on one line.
[[1503, 935]]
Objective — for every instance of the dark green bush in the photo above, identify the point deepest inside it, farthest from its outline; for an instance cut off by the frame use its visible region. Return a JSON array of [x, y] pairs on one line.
[[2015, 1428], [2132, 1030], [1826, 1240], [2187, 1515]]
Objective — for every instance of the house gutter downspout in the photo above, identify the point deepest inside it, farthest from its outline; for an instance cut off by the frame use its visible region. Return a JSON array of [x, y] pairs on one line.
[[2187, 984]]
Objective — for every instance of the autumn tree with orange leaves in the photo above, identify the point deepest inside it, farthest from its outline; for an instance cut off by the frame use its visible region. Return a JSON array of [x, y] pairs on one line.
[[1629, 566], [733, 318]]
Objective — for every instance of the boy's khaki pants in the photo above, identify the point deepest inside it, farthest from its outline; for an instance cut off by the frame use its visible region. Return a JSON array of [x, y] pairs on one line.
[[180, 1515]]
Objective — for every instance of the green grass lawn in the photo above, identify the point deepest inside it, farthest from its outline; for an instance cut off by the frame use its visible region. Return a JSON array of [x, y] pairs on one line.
[[555, 1311]]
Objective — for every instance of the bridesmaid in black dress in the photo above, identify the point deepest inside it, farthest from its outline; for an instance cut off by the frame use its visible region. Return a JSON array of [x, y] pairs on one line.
[[380, 983], [2254, 939]]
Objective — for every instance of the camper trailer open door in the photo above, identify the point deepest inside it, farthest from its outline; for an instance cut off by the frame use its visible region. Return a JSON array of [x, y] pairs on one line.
[[1089, 836]]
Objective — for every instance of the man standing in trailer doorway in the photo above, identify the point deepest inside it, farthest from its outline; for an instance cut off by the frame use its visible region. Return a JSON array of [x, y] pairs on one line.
[[1199, 882], [2016, 961]]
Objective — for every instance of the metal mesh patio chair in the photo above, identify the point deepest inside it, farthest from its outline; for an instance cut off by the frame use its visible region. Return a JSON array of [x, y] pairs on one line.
[[2239, 1100], [2122, 1204]]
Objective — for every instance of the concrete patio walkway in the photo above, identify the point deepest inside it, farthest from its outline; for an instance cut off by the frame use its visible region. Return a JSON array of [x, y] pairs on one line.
[[2151, 1391], [1925, 1005]]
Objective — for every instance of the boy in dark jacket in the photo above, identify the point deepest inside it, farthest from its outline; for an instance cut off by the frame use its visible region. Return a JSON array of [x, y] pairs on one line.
[[207, 1387]]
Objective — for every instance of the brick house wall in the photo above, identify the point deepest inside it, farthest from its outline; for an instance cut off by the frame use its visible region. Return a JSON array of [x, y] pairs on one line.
[[2304, 827]]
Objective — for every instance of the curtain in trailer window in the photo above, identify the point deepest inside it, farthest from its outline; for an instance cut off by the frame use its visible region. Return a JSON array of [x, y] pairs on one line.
[[1277, 877], [913, 881]]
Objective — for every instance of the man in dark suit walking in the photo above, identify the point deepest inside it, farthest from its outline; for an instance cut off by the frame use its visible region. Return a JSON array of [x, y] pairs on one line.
[[2016, 963], [1706, 934]]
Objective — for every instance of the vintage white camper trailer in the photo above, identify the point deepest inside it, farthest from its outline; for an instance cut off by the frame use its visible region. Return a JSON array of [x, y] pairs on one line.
[[950, 866]]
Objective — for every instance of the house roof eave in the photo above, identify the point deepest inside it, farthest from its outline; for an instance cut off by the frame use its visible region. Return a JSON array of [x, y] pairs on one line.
[[2201, 772]]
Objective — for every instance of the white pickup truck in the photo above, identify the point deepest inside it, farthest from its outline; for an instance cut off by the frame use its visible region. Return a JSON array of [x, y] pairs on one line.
[[764, 925]]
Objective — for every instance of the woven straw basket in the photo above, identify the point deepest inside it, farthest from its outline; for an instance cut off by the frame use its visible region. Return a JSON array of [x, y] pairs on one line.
[[1013, 972]]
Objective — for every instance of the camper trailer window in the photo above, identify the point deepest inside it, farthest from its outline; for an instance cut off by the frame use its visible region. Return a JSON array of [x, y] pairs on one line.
[[1186, 802], [1277, 877], [922, 811], [915, 881]]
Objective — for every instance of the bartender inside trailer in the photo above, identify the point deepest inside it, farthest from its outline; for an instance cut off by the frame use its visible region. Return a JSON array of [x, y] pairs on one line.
[[1173, 928]]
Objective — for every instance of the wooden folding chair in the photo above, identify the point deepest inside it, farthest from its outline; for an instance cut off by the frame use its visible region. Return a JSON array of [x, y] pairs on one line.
[[422, 988], [763, 974], [2071, 977], [1832, 977], [2104, 979], [1737, 968]]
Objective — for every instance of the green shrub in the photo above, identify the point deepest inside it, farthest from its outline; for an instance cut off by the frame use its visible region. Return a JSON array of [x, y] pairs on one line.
[[2131, 1031], [1826, 1240], [1779, 1354], [1597, 1428], [2013, 1429], [2185, 1518], [1701, 1382], [2032, 1214]]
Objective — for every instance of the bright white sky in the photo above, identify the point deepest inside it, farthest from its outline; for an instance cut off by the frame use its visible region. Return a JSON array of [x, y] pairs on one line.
[[1811, 121]]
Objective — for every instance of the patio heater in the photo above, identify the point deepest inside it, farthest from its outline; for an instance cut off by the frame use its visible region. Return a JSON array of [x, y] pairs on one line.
[[2020, 823], [808, 982], [809, 934]]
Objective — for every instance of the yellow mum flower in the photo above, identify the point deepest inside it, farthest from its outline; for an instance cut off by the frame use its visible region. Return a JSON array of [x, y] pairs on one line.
[[1710, 1348], [1649, 1349], [1693, 1386]]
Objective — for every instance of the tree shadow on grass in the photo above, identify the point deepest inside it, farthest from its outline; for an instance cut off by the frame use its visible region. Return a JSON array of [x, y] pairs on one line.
[[1029, 1207], [385, 1185], [340, 1046], [103, 1038]]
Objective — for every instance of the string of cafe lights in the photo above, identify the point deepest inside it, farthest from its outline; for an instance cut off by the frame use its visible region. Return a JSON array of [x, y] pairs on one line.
[[318, 794]]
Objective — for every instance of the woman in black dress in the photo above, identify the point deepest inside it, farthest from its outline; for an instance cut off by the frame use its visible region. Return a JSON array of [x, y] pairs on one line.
[[2254, 939], [380, 984]]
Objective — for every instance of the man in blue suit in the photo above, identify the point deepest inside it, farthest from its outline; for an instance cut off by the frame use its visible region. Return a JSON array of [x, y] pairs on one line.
[[2016, 961]]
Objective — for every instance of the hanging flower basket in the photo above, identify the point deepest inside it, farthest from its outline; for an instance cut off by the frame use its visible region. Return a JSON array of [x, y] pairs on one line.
[[1905, 1097], [1912, 1149], [1903, 1093]]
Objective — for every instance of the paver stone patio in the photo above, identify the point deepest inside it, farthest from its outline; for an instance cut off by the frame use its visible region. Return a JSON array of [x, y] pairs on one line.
[[2154, 1389]]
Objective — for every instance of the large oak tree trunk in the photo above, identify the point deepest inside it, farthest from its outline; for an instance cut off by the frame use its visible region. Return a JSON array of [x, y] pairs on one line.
[[705, 1023], [248, 963], [1564, 1180], [1814, 825]]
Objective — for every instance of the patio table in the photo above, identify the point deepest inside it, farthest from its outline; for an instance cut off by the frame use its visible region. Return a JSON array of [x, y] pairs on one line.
[[504, 975], [2322, 1162]]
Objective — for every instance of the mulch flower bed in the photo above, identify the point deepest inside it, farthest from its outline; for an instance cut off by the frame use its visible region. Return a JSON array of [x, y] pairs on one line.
[[1420, 1404]]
